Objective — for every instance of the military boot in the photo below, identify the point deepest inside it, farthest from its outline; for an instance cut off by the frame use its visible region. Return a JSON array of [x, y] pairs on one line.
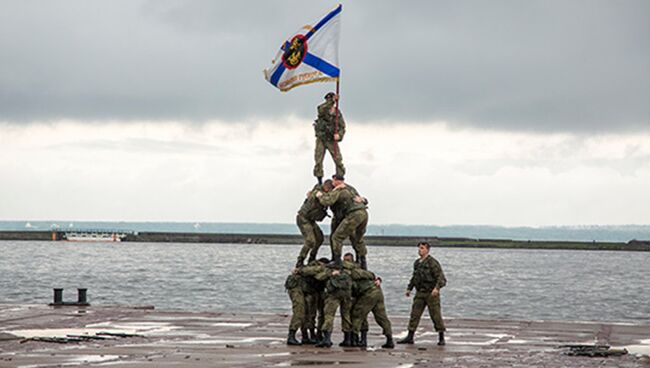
[[354, 339], [291, 339], [346, 339], [441, 338], [320, 180], [363, 262], [335, 262], [327, 340], [300, 263], [319, 336], [389, 342], [363, 340], [306, 340], [408, 339]]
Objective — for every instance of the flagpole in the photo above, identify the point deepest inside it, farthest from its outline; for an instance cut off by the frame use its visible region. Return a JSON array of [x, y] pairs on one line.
[[336, 120]]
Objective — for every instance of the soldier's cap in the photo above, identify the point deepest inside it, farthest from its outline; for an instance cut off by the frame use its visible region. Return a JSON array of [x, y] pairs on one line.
[[338, 177], [329, 95]]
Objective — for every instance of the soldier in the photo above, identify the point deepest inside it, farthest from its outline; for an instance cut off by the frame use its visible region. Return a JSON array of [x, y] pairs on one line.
[[350, 212], [368, 298], [314, 291], [427, 279], [327, 137], [294, 286], [311, 212], [338, 292]]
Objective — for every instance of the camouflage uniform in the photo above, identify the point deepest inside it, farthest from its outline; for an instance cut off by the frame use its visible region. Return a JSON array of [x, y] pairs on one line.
[[309, 213], [369, 298], [352, 220], [313, 290], [427, 275], [338, 292], [324, 128], [294, 286]]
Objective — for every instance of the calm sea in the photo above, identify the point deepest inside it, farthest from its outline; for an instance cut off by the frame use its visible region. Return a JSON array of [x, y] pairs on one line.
[[515, 284]]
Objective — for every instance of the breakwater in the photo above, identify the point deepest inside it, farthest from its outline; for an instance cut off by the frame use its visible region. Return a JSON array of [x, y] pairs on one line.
[[373, 240]]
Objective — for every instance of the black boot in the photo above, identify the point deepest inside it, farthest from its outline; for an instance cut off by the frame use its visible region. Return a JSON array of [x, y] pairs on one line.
[[408, 339], [319, 337], [346, 339], [363, 341], [320, 180], [354, 339], [327, 340], [363, 262], [299, 263], [441, 338], [335, 262], [291, 339], [389, 342], [305, 337]]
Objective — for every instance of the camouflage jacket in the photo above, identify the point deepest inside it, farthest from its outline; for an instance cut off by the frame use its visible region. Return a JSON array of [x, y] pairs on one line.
[[341, 200], [312, 209], [427, 275], [325, 124]]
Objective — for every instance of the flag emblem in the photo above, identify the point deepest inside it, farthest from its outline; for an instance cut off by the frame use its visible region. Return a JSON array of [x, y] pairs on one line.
[[294, 52]]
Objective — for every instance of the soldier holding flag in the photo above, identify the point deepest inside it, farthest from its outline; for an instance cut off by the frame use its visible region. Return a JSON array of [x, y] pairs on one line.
[[329, 129]]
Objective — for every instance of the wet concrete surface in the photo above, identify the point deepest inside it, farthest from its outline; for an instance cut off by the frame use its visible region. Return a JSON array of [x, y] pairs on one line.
[[171, 339]]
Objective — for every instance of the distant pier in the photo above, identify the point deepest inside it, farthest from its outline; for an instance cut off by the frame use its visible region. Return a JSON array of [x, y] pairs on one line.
[[372, 240]]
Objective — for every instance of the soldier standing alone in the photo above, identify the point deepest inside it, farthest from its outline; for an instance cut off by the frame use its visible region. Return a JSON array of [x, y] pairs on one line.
[[427, 280], [327, 135]]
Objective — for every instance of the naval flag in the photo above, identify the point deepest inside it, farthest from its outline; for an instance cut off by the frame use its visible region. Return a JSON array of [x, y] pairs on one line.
[[310, 55]]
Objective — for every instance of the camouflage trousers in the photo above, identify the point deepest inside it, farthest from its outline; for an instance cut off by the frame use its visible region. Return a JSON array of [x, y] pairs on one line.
[[354, 227], [297, 308], [314, 305], [313, 236], [421, 300], [332, 303], [371, 301], [319, 155]]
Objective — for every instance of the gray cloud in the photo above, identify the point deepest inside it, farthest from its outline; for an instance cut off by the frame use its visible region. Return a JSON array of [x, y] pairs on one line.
[[578, 66]]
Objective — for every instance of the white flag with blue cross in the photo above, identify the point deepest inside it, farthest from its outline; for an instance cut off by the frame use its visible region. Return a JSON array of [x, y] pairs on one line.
[[308, 56]]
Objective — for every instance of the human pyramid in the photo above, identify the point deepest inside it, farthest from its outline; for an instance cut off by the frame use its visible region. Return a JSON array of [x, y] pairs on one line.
[[317, 289]]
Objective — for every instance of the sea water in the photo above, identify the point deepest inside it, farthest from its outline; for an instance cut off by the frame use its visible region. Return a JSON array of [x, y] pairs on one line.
[[482, 283]]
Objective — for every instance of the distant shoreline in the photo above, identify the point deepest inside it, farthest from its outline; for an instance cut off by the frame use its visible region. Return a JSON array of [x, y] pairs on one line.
[[371, 240]]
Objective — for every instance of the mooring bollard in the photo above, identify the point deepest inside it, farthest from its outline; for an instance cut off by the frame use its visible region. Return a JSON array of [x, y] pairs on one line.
[[81, 296], [58, 296]]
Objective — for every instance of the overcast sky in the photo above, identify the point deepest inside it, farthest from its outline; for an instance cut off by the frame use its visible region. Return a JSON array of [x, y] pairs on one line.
[[459, 112]]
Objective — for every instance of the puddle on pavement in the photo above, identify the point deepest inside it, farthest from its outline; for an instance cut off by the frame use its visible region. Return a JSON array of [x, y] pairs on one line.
[[232, 340], [230, 324], [642, 348], [62, 332], [137, 327], [76, 360], [313, 362]]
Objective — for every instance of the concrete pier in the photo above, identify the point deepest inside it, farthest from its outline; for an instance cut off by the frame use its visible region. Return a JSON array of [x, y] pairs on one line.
[[171, 339]]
